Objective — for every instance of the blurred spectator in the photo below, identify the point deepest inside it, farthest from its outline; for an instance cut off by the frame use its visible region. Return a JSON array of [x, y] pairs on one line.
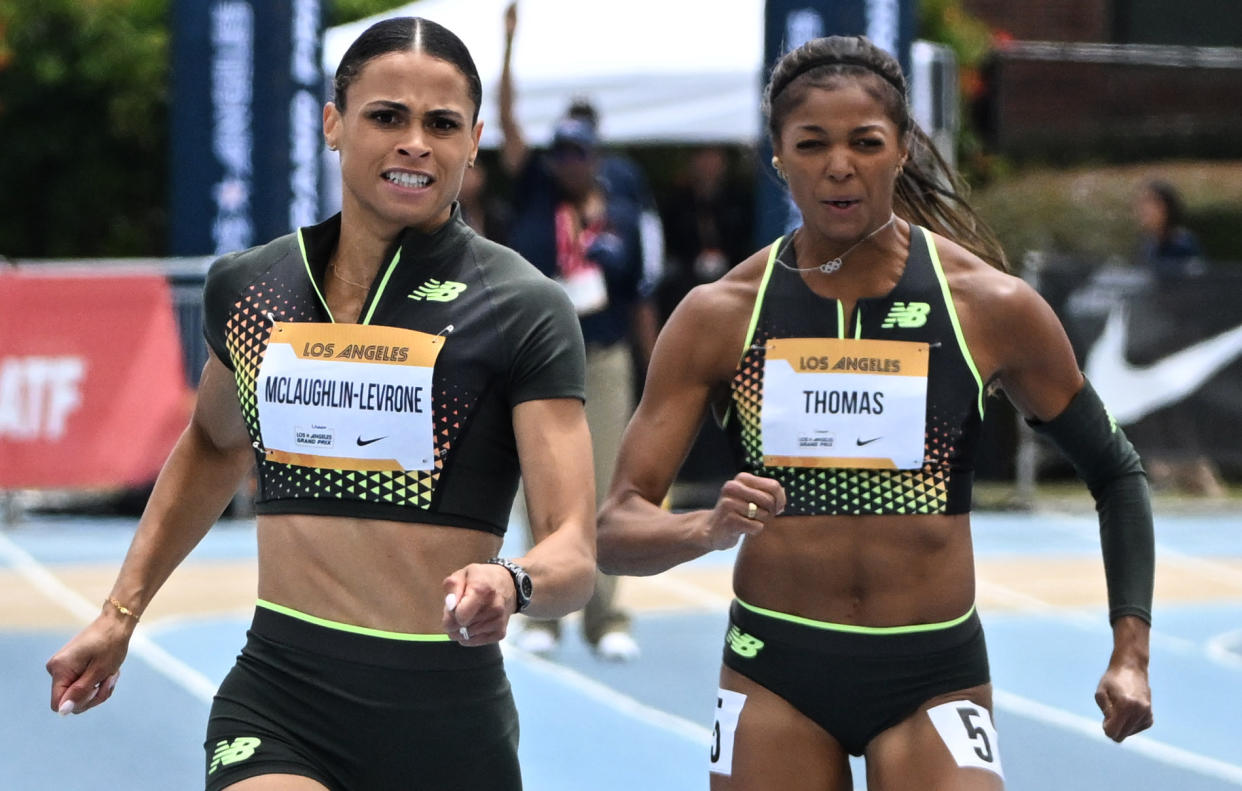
[[626, 180], [578, 217], [708, 228], [481, 208], [1167, 246], [708, 222], [1172, 253]]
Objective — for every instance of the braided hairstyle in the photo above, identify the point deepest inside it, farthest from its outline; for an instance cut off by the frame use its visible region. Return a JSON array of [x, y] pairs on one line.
[[928, 191]]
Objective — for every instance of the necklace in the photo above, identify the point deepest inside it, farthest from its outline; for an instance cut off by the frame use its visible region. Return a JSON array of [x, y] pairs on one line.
[[833, 264], [343, 279]]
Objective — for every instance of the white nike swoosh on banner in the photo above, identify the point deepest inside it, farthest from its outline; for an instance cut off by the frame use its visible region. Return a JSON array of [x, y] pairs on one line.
[[1132, 392]]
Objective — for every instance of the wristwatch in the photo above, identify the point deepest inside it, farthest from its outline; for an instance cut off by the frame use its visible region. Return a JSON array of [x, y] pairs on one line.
[[521, 581]]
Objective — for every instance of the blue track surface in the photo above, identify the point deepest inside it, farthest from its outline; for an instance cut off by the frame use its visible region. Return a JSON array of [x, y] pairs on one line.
[[605, 727]]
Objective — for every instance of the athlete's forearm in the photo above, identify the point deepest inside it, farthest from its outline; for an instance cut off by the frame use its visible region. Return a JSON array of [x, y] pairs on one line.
[[1104, 458], [639, 538], [192, 490], [562, 572]]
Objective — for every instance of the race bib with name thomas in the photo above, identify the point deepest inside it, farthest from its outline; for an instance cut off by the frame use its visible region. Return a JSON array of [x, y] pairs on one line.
[[844, 402]]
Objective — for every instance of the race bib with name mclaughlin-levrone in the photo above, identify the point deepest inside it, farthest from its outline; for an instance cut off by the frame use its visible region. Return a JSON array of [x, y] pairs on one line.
[[844, 402], [348, 396]]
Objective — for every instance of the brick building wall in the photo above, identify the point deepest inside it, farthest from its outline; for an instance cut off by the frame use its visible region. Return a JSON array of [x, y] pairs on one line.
[[1046, 20], [1066, 89], [1067, 110]]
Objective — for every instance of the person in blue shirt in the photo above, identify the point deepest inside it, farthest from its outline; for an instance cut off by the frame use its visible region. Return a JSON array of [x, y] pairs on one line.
[[578, 216], [1167, 247]]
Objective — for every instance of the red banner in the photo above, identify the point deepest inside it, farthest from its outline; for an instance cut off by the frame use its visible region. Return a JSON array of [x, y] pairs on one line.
[[92, 388]]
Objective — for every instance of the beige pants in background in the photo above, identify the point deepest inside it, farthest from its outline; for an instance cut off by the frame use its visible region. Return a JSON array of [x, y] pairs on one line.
[[609, 404]]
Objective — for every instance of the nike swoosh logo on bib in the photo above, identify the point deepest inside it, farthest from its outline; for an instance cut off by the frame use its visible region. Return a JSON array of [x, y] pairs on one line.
[[362, 441], [1132, 392]]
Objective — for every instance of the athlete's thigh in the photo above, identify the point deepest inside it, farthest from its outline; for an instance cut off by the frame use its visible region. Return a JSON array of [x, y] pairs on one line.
[[949, 744], [772, 745], [276, 783]]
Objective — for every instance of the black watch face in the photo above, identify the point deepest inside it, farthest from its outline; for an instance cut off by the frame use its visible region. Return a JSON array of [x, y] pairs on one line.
[[526, 586]]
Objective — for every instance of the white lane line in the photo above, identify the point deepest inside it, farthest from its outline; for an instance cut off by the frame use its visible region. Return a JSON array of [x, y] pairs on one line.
[[606, 695], [1143, 745], [1206, 568], [1026, 603], [1006, 701], [1087, 529], [1226, 649], [85, 611]]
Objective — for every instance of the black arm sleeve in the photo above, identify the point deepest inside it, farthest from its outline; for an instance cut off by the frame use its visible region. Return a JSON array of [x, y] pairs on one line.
[[1104, 458]]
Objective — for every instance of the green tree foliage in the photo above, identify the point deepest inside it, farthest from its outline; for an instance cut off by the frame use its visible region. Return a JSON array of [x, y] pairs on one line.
[[84, 110], [343, 11], [83, 127], [947, 22]]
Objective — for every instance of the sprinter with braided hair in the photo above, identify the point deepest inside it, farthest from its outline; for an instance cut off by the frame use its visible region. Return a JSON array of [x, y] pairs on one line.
[[850, 363]]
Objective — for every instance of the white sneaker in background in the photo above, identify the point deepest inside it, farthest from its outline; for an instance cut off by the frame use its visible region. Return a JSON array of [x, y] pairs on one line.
[[617, 647], [536, 641]]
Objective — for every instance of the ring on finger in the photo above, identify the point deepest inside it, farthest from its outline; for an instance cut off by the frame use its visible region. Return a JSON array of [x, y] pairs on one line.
[[464, 632], [751, 510]]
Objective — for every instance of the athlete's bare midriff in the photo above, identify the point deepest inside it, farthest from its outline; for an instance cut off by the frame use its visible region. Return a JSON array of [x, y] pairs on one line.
[[860, 570], [365, 572]]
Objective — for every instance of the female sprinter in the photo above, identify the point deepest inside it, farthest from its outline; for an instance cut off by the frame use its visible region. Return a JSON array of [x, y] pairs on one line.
[[850, 362], [391, 372]]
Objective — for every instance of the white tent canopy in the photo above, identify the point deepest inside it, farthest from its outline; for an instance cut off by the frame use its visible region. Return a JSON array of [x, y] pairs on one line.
[[686, 71]]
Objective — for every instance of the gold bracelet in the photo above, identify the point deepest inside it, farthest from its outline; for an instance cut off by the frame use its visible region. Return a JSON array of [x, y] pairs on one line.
[[122, 609]]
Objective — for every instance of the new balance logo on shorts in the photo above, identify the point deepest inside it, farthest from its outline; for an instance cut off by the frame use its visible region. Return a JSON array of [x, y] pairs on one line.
[[438, 291], [907, 315], [743, 644], [240, 749]]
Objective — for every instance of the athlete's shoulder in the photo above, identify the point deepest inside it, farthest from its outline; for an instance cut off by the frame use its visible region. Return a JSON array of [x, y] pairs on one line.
[[515, 286], [715, 315], [977, 282], [733, 294], [1002, 315], [499, 260], [234, 271]]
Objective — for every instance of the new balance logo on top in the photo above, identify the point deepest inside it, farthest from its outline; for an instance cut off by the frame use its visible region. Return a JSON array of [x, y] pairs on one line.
[[906, 315], [242, 748], [438, 291]]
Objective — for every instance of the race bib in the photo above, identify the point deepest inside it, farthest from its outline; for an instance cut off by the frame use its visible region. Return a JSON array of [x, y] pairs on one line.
[[967, 730], [728, 710], [842, 402], [348, 396]]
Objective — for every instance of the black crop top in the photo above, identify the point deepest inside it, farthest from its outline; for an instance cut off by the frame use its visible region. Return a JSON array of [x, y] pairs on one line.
[[938, 471], [406, 415]]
